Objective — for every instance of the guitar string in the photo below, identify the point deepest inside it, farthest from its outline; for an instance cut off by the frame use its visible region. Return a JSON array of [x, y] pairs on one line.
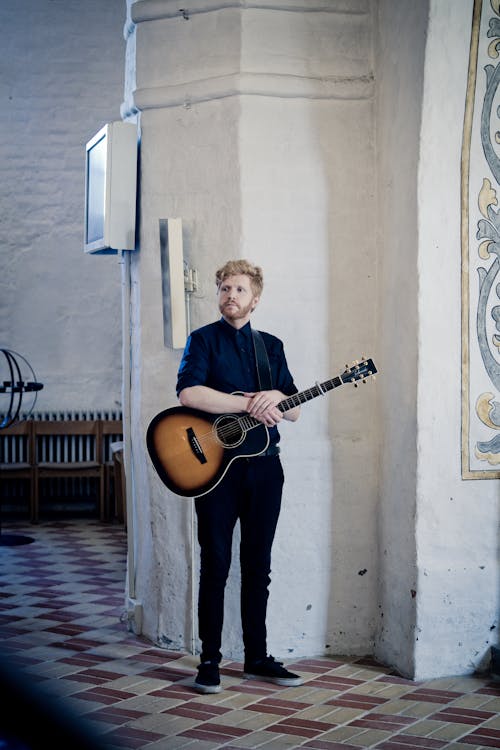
[[236, 425], [225, 432], [219, 434]]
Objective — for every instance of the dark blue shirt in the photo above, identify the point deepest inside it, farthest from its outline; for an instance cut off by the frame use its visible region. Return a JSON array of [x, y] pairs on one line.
[[222, 357]]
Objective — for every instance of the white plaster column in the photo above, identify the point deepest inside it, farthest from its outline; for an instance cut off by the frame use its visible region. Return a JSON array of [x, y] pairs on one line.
[[249, 116]]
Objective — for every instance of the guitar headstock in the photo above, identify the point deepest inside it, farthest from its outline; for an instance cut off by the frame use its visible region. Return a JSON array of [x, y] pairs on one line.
[[359, 371]]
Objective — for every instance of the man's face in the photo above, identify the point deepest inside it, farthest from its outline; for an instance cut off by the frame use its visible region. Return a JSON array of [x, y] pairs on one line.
[[236, 299]]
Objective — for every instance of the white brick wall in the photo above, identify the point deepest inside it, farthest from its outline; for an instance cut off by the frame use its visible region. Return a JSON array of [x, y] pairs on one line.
[[61, 79]]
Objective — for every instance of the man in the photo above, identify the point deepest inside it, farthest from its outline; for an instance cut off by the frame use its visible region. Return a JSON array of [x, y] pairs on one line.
[[218, 374]]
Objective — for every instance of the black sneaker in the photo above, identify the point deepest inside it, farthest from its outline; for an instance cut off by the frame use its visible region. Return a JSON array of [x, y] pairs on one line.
[[269, 670], [208, 678]]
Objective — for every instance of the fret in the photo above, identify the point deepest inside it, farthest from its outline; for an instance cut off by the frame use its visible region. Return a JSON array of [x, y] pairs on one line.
[[248, 422], [319, 389]]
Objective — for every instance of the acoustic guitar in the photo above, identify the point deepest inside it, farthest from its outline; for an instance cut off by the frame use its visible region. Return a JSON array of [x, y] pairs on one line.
[[192, 450]]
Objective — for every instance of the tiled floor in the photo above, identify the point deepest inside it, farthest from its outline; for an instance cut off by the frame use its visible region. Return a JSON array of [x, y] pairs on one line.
[[64, 639]]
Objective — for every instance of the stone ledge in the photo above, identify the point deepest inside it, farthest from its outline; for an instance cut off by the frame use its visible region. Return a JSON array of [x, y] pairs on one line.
[[252, 84], [152, 10]]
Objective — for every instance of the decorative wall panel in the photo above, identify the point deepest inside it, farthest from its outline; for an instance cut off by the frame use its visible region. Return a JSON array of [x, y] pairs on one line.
[[481, 249]]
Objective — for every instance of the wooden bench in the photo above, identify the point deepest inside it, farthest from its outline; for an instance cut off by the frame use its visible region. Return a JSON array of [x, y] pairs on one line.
[[37, 450]]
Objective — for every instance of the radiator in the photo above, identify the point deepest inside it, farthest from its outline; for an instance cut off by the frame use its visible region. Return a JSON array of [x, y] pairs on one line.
[[65, 448], [77, 493]]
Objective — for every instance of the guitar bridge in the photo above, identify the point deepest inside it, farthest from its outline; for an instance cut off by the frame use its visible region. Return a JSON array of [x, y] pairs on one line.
[[195, 446]]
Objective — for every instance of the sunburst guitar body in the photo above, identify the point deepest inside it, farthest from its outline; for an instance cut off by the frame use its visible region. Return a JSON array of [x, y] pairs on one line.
[[192, 450]]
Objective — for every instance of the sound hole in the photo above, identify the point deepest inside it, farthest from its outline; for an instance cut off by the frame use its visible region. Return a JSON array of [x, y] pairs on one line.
[[228, 431]]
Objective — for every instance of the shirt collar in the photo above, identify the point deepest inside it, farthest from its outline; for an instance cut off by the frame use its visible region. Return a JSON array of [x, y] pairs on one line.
[[245, 331]]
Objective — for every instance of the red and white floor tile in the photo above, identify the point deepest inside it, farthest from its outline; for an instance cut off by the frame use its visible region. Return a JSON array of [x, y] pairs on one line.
[[74, 677]]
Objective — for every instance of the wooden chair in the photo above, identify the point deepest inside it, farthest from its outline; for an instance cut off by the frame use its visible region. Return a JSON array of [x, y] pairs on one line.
[[112, 433], [66, 449], [17, 459]]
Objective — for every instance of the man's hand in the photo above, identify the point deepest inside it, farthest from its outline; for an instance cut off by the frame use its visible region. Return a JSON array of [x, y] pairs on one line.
[[263, 407]]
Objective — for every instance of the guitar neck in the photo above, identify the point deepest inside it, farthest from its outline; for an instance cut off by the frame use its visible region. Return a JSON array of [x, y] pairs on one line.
[[359, 371], [319, 389]]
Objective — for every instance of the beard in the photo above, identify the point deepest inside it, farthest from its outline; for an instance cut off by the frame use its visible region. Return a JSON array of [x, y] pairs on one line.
[[236, 312]]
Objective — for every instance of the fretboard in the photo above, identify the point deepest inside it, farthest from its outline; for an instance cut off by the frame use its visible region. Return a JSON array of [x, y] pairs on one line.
[[247, 422], [318, 389], [359, 371]]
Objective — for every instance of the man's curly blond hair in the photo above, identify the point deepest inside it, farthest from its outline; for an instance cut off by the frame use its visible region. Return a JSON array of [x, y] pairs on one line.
[[237, 267]]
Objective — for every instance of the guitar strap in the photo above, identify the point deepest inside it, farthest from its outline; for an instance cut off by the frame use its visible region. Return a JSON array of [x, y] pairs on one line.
[[262, 361]]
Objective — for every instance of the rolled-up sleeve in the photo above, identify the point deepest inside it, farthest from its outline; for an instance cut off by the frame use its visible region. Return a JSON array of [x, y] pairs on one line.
[[194, 366]]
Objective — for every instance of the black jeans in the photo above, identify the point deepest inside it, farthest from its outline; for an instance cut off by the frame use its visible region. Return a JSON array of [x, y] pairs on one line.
[[251, 492]]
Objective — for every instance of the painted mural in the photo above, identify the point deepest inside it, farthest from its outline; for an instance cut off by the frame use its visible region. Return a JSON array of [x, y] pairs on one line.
[[481, 249]]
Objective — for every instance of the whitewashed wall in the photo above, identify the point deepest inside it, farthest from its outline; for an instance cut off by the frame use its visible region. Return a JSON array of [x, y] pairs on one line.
[[400, 74], [62, 73], [334, 193], [457, 521], [350, 201], [438, 543], [248, 135]]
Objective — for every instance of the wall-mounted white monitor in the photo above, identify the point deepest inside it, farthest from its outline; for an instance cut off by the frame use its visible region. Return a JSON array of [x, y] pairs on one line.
[[110, 189]]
